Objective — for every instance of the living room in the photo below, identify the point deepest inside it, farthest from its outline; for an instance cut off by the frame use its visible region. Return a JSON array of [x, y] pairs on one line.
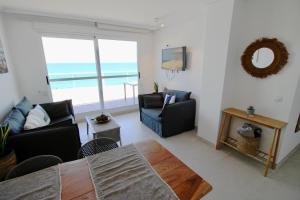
[[215, 35]]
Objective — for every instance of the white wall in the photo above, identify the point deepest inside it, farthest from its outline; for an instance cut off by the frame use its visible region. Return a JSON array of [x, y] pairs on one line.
[[8, 86], [274, 95], [185, 31], [291, 139], [216, 37], [218, 23], [24, 36]]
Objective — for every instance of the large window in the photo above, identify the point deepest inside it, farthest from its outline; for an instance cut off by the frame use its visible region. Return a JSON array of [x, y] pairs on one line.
[[95, 74]]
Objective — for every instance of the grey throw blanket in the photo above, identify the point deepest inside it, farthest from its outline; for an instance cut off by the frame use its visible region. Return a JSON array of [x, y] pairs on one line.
[[40, 185], [124, 173]]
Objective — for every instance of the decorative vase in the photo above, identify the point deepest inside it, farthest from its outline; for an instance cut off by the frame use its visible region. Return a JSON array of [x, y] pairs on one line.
[[250, 111], [6, 163]]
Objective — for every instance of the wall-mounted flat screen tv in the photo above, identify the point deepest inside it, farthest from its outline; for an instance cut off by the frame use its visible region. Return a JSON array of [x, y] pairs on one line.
[[174, 58]]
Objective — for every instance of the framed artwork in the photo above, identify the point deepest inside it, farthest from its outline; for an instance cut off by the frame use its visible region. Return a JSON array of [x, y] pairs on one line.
[[298, 125], [3, 64]]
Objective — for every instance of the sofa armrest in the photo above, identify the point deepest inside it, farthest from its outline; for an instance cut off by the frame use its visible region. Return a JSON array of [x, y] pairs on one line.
[[179, 115], [141, 101], [173, 110], [63, 142]]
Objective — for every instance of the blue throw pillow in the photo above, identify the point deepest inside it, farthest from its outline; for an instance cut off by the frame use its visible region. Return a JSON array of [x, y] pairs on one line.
[[15, 121], [24, 106]]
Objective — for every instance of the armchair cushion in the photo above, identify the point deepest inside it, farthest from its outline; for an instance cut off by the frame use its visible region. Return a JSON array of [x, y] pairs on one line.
[[153, 113], [24, 106], [153, 101]]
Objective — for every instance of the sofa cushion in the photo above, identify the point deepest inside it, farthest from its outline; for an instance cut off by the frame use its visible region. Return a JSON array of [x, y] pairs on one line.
[[56, 123], [63, 121], [153, 101], [57, 110], [153, 113], [24, 106], [36, 118], [15, 121], [180, 95]]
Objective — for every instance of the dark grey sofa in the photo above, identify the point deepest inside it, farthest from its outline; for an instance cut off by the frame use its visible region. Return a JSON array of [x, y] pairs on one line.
[[60, 137], [173, 119]]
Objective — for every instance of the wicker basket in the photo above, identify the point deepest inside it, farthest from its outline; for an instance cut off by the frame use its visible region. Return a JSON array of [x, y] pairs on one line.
[[6, 163], [248, 145]]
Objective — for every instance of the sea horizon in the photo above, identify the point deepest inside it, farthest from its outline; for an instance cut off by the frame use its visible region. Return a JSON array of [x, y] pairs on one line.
[[83, 70]]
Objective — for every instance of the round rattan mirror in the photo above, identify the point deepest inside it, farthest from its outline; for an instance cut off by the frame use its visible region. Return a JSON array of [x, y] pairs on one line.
[[264, 57]]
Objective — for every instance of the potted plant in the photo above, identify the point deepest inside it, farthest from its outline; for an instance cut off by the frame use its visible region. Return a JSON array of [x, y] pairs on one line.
[[155, 87], [7, 156]]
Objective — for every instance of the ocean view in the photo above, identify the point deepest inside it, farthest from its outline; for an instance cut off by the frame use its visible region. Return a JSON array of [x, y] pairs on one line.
[[76, 70]]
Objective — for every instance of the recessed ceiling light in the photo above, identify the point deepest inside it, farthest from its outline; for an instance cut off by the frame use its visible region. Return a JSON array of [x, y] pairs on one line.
[[162, 25]]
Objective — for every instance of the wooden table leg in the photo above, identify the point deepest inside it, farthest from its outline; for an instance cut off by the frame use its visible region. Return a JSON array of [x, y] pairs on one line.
[[270, 158], [224, 128], [276, 149]]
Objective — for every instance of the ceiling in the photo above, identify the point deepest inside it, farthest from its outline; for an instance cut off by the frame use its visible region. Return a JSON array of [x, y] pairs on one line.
[[137, 12]]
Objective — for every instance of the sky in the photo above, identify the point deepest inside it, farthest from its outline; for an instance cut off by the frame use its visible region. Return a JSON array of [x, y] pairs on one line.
[[61, 50]]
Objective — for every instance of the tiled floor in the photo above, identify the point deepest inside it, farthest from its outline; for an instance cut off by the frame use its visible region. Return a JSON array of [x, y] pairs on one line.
[[232, 175]]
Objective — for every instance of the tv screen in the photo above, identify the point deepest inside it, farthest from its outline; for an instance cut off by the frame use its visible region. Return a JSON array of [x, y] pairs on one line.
[[174, 58]]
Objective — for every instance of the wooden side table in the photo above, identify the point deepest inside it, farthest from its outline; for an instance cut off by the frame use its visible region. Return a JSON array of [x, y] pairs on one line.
[[224, 138]]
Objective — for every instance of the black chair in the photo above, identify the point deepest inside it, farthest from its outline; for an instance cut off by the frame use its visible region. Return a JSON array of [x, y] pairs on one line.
[[96, 146], [32, 165]]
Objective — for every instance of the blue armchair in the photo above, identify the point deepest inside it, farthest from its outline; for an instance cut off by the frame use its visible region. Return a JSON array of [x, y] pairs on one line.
[[173, 118]]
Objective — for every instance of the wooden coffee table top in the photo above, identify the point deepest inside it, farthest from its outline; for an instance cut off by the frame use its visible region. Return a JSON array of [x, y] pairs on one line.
[[96, 128], [77, 184]]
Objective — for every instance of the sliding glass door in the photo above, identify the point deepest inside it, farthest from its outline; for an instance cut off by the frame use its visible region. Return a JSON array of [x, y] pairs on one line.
[[119, 72], [95, 74], [72, 72]]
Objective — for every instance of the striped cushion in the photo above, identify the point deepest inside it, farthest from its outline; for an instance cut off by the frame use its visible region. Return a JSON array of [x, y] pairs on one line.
[[169, 99]]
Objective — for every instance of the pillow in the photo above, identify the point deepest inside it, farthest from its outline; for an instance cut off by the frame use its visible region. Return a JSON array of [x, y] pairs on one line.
[[57, 109], [15, 121], [36, 118], [180, 95], [153, 101], [24, 106], [169, 99]]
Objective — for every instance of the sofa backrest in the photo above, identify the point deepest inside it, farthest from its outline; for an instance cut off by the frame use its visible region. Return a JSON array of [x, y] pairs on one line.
[[180, 95]]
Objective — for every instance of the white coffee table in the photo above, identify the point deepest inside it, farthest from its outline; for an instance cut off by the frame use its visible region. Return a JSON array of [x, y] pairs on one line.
[[110, 129]]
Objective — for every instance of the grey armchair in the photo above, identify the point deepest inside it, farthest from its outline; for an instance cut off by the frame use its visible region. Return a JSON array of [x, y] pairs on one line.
[[173, 119]]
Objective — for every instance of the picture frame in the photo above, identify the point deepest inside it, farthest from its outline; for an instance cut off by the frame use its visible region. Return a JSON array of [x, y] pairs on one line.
[[3, 64]]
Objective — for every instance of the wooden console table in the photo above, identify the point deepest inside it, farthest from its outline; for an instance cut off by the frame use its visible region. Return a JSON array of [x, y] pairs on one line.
[[224, 138]]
